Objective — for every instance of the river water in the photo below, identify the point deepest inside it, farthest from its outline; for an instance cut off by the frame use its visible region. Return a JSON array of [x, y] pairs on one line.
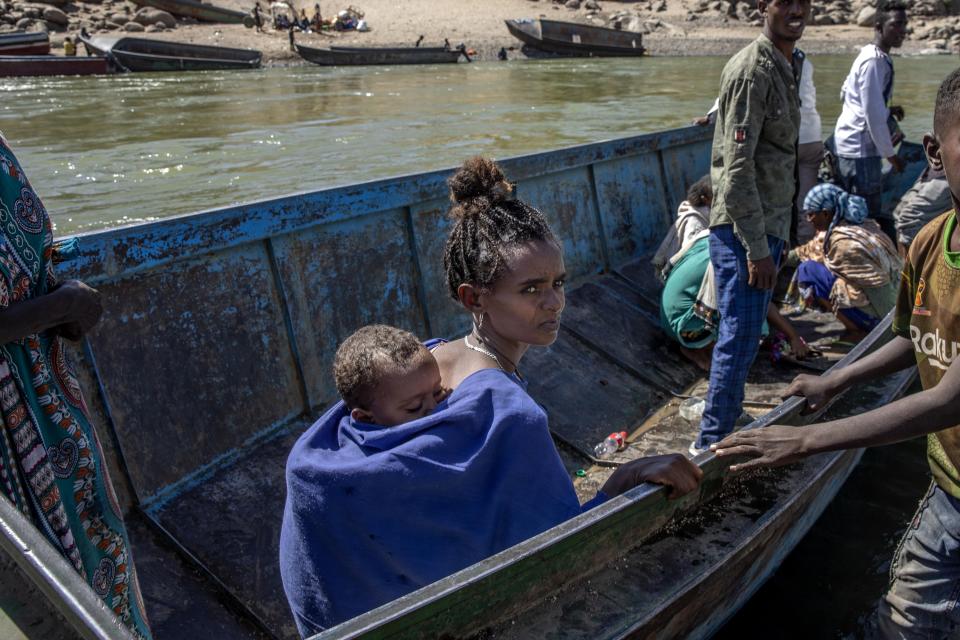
[[109, 151], [114, 150]]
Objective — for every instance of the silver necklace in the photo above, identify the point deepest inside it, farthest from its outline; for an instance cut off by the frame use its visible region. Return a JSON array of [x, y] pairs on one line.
[[489, 354]]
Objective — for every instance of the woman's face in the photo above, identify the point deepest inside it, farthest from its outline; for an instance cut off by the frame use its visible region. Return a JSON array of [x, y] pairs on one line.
[[524, 305], [820, 219]]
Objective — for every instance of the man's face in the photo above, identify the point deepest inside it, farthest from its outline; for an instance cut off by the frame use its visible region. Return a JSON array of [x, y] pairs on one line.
[[943, 153], [893, 30], [785, 19]]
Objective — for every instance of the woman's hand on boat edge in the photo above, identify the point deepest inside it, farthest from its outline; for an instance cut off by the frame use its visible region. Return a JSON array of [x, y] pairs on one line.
[[768, 447], [82, 308], [673, 470]]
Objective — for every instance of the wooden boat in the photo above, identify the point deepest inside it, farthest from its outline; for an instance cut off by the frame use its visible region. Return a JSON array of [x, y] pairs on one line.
[[24, 43], [353, 56], [198, 10], [147, 54], [574, 39], [213, 355], [54, 66]]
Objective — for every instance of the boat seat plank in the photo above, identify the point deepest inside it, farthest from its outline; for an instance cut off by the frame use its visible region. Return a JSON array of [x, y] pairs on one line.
[[603, 315], [610, 399], [231, 523]]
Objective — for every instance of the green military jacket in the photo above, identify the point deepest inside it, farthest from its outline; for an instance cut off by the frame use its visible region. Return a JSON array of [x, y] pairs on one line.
[[754, 155]]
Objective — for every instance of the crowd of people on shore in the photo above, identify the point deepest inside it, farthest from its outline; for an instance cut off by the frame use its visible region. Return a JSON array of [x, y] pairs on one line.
[[448, 429]]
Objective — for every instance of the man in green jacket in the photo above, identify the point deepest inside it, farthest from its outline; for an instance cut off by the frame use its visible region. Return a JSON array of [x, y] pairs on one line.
[[753, 171]]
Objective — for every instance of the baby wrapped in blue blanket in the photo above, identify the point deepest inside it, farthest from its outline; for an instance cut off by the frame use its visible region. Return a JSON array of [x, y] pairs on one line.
[[401, 484]]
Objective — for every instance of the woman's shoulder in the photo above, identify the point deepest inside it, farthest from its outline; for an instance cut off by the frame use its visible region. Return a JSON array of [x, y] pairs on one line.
[[503, 392]]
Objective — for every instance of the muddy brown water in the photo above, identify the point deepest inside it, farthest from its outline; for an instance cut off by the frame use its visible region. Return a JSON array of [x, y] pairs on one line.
[[119, 149]]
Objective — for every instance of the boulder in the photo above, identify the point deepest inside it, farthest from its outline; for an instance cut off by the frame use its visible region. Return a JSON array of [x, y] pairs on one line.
[[34, 13], [591, 5], [149, 15], [867, 16], [119, 18], [159, 26], [572, 4], [55, 16], [23, 23], [133, 27]]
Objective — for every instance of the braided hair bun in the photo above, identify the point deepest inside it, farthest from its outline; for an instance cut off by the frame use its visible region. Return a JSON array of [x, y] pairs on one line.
[[487, 222], [478, 185]]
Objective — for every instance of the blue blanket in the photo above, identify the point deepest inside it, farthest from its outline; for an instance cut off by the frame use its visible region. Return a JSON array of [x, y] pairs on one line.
[[373, 513]]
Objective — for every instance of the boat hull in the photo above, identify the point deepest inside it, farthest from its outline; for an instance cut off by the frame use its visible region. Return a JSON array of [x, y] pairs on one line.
[[349, 56], [24, 44], [12, 66], [144, 55], [198, 10], [571, 39]]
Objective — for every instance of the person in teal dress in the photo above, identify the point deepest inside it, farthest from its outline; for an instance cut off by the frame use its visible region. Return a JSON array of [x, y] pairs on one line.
[[51, 463]]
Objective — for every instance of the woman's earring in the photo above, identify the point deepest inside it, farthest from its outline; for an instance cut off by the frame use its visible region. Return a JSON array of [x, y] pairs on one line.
[[479, 322]]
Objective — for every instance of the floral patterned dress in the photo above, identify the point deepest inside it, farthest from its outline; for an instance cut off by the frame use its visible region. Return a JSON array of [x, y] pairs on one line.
[[51, 463]]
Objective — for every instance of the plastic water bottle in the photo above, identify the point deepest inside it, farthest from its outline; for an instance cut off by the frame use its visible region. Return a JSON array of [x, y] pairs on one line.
[[691, 409], [613, 442]]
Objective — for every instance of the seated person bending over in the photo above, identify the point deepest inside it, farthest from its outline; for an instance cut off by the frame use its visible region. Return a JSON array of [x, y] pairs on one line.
[[688, 304], [925, 200], [850, 267], [376, 512]]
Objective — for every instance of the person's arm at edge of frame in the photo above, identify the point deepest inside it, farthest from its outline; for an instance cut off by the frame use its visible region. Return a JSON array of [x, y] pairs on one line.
[[71, 309], [916, 415], [877, 113]]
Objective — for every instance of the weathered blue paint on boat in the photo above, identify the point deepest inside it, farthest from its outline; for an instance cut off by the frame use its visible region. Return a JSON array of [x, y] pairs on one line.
[[214, 352]]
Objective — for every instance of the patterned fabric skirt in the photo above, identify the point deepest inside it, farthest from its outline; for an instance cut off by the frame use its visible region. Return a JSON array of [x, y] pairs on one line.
[[52, 469]]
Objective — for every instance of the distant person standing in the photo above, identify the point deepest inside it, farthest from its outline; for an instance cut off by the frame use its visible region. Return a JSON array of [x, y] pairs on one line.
[[257, 18], [69, 48], [753, 172], [863, 136]]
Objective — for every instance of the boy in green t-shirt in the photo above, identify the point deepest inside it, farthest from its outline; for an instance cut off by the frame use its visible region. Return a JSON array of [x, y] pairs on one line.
[[925, 587]]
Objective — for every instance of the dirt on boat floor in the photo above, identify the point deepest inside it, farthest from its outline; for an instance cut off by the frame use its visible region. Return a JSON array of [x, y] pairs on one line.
[[479, 25]]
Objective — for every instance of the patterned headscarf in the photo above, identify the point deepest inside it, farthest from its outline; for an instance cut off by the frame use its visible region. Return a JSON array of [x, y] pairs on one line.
[[846, 207]]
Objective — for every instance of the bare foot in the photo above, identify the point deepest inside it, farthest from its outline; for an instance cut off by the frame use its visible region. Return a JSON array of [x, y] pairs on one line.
[[701, 357]]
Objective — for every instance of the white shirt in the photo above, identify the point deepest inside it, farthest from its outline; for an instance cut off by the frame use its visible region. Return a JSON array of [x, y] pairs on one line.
[[862, 130], [811, 127]]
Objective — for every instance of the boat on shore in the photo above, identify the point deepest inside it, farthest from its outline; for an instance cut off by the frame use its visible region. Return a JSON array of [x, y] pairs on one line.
[[355, 56], [24, 43], [575, 39], [148, 54], [14, 66], [193, 9], [253, 294]]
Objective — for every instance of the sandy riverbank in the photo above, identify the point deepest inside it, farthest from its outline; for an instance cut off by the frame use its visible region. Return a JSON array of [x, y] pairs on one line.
[[480, 26]]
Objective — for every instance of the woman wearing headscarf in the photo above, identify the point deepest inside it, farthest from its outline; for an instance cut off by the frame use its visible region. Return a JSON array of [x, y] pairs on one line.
[[850, 267]]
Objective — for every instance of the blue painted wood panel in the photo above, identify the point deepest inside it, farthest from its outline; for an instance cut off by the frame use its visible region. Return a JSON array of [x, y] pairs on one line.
[[684, 165], [633, 207], [195, 360], [340, 277]]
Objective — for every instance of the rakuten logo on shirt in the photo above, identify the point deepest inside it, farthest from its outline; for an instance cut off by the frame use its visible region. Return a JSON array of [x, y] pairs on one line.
[[934, 347]]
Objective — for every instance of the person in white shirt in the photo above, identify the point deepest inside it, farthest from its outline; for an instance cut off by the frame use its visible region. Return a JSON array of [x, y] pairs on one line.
[[863, 136], [810, 143]]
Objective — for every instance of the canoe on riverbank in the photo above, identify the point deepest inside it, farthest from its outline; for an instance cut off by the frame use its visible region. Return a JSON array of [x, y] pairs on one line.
[[575, 39], [24, 43], [12, 66], [214, 351], [355, 56], [148, 54]]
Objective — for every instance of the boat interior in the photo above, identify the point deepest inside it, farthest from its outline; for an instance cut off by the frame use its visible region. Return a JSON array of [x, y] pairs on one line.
[[214, 354]]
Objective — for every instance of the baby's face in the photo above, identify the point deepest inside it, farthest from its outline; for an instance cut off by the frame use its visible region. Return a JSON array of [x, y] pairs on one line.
[[405, 396]]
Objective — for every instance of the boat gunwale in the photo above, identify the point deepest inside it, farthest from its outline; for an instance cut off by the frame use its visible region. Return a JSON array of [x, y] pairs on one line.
[[115, 44], [638, 498], [107, 254]]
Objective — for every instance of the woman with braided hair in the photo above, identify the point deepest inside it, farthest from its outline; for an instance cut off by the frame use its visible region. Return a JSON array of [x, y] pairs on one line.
[[374, 513]]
